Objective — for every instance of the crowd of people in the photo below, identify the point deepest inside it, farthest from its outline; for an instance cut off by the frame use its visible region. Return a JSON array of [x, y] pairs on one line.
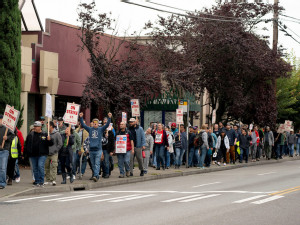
[[55, 148]]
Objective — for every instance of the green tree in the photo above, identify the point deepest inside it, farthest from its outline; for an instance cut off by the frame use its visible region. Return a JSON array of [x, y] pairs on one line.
[[288, 94], [10, 54]]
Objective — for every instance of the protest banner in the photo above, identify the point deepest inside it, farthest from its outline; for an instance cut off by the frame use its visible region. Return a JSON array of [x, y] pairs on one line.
[[281, 129], [124, 117], [179, 116], [10, 119], [288, 125], [135, 107], [121, 144], [71, 115], [48, 109]]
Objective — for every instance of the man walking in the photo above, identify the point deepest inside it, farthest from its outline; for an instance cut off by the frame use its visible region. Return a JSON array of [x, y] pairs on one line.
[[291, 141], [139, 145], [95, 138], [231, 134], [148, 150], [181, 146], [37, 148], [52, 158], [268, 142]]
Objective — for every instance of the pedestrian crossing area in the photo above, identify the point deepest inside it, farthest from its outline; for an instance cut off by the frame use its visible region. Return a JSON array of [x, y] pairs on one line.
[[123, 197]]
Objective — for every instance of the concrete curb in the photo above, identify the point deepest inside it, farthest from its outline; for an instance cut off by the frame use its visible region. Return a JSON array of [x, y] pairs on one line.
[[178, 173]]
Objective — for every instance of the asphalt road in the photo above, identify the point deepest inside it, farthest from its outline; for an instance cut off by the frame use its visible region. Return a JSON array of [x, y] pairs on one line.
[[267, 194]]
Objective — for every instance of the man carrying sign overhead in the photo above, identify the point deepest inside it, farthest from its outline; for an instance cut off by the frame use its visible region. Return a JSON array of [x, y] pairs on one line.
[[5, 143], [95, 137]]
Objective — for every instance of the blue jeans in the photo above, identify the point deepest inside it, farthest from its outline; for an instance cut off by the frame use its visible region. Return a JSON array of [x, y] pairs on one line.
[[154, 163], [95, 157], [202, 156], [3, 167], [83, 165], [168, 159], [124, 160], [298, 148], [74, 163], [179, 156], [191, 156], [196, 158], [244, 152], [291, 149], [285, 149], [17, 171], [38, 165], [160, 155], [106, 162]]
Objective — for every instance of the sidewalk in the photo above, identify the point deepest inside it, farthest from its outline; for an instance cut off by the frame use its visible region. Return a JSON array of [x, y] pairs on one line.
[[25, 186]]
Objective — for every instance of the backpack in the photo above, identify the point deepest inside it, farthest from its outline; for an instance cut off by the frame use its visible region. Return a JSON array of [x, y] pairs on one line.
[[198, 141]]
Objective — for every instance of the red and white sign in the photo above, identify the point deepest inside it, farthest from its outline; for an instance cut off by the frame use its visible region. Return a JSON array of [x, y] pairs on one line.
[[71, 115], [10, 117], [135, 107], [288, 125], [121, 144], [179, 116], [281, 129], [124, 117], [110, 126]]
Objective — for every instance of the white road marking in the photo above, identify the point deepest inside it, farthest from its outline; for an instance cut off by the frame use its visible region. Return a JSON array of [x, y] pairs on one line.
[[267, 200], [70, 197], [25, 199], [203, 197], [109, 199], [249, 199], [84, 197], [183, 192], [178, 199], [132, 198], [262, 174], [201, 185]]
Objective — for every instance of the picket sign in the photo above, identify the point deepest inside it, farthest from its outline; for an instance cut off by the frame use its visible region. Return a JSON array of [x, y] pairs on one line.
[[121, 144], [71, 115], [10, 119], [179, 119], [135, 107], [281, 129], [124, 117], [251, 127], [288, 125]]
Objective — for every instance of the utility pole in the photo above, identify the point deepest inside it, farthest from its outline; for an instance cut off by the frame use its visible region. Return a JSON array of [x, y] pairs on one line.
[[275, 26]]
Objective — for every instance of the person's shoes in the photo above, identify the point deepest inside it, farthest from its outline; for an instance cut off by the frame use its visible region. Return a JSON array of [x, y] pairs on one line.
[[127, 173], [218, 163], [9, 182], [121, 176], [224, 164], [74, 177], [53, 183], [142, 173], [18, 179], [68, 177], [164, 167], [131, 174], [46, 183], [91, 178], [64, 176], [71, 178], [208, 166], [41, 185], [95, 179], [168, 167], [280, 157], [106, 176], [2, 187], [145, 171], [157, 168], [36, 185]]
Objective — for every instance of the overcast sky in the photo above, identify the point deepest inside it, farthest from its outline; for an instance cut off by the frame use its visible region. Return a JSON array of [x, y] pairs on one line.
[[133, 18]]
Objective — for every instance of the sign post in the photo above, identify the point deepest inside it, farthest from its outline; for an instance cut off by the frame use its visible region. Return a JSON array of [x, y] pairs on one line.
[[10, 119], [187, 133], [48, 109]]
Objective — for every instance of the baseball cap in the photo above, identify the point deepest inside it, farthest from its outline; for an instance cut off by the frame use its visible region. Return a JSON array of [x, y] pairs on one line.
[[37, 124], [96, 120], [173, 125], [60, 119], [132, 120], [42, 118]]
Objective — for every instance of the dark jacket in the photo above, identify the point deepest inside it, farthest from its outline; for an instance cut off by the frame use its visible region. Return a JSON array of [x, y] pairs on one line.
[[244, 141], [10, 137], [66, 150], [43, 145], [191, 140], [108, 143]]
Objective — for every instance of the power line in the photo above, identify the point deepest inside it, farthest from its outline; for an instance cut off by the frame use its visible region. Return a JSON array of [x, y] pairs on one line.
[[189, 11], [190, 16], [290, 17], [288, 34]]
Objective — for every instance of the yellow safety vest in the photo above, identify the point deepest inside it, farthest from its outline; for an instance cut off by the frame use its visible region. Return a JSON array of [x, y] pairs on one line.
[[14, 148]]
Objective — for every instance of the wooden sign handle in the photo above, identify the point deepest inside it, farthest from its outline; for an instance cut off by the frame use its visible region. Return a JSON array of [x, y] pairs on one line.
[[3, 136], [48, 126]]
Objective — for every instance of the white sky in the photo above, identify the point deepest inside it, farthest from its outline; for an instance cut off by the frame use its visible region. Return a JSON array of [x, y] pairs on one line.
[[133, 18]]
